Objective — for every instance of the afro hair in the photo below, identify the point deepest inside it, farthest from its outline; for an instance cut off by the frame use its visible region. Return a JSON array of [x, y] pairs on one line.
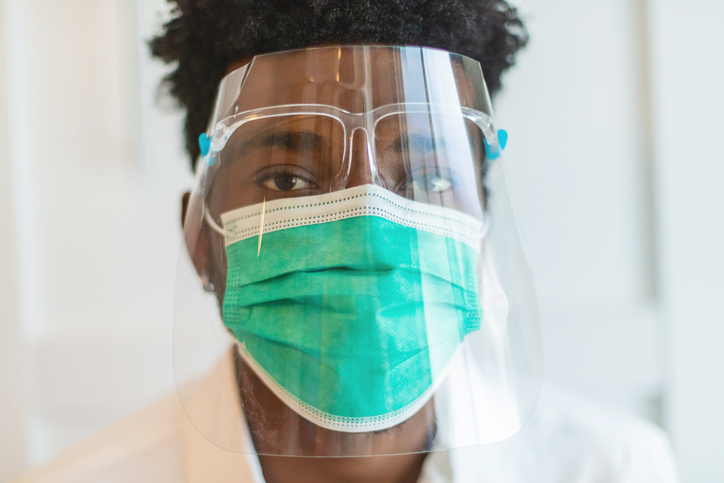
[[205, 36]]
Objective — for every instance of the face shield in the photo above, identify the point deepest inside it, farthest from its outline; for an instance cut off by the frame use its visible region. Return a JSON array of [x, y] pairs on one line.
[[351, 249]]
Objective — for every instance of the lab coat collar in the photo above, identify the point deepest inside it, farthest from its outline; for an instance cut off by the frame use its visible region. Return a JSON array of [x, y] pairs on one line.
[[203, 458]]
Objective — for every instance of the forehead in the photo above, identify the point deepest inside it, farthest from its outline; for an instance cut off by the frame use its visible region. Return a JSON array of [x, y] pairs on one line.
[[358, 79]]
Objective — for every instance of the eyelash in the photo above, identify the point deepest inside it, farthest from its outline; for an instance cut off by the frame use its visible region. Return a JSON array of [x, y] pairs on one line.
[[276, 172], [265, 176]]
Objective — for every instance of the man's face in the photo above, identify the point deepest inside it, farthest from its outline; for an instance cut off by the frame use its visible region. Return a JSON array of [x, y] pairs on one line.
[[303, 155], [306, 155]]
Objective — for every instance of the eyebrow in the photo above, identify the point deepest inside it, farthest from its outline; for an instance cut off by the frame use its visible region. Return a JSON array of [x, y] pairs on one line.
[[306, 140]]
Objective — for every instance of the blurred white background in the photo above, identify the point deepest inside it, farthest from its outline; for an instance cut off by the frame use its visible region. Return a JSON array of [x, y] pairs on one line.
[[615, 165]]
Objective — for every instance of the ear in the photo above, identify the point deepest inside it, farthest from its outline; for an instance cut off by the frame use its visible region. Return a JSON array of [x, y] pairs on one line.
[[195, 237], [185, 206]]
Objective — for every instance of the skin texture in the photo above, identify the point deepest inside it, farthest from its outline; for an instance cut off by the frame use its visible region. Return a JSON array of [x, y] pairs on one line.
[[275, 428]]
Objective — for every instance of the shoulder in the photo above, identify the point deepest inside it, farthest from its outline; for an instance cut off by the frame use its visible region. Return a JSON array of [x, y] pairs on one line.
[[570, 439], [589, 441], [148, 443]]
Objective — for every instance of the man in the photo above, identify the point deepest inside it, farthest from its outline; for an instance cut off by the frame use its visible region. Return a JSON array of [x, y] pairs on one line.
[[351, 229]]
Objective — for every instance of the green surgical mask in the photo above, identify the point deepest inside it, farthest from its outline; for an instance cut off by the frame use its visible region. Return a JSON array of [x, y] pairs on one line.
[[351, 305]]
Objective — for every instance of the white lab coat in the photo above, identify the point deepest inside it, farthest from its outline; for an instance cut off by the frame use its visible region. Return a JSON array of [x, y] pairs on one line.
[[568, 440]]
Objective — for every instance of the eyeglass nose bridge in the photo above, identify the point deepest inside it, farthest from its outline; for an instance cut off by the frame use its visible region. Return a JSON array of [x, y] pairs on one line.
[[353, 123]]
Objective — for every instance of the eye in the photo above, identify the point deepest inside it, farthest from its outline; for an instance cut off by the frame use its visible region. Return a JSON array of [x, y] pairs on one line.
[[285, 183], [432, 183], [285, 180], [429, 181]]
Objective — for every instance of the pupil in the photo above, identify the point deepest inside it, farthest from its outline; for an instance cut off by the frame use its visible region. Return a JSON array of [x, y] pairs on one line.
[[285, 183]]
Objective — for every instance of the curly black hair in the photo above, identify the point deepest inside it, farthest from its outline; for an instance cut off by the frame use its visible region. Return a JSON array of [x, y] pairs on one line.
[[205, 36]]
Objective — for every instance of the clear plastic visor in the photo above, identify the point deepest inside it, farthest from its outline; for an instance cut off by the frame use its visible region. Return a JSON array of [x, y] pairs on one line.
[[303, 122], [353, 281]]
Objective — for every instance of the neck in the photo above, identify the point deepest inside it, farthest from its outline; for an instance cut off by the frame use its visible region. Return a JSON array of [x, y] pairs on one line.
[[374, 469], [368, 457]]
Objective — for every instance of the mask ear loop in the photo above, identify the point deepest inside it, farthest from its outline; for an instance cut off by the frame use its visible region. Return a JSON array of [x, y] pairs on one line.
[[212, 223]]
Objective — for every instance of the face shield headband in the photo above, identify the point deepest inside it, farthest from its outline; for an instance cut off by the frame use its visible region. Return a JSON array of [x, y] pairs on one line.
[[352, 261]]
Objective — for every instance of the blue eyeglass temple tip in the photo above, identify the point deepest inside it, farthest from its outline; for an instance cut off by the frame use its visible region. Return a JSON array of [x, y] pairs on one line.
[[502, 138], [502, 142], [204, 144]]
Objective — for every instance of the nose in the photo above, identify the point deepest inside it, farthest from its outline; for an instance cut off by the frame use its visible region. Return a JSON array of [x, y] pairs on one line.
[[362, 169]]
